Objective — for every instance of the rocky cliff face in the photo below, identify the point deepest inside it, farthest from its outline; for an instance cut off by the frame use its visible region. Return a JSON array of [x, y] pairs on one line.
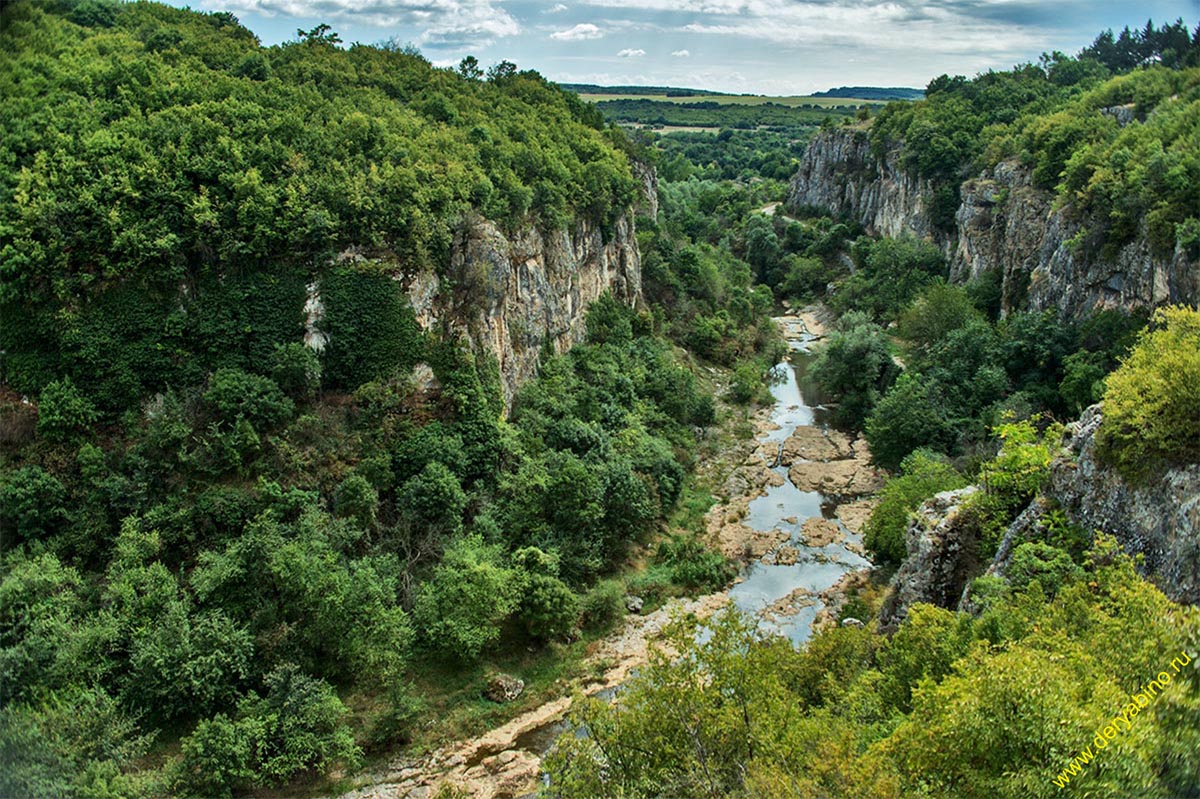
[[1003, 224], [839, 173], [510, 296], [1159, 520], [942, 558]]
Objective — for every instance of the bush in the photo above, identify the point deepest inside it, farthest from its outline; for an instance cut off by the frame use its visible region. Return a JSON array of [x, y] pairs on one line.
[[1152, 402], [854, 367], [939, 309], [357, 499], [1048, 565], [64, 412], [434, 498], [602, 606], [299, 725], [922, 474], [233, 393], [79, 744], [746, 383], [217, 759], [296, 369], [910, 416], [692, 565], [549, 608], [31, 504], [461, 607]]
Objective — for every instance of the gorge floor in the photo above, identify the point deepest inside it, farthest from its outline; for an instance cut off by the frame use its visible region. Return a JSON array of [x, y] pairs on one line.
[[793, 501]]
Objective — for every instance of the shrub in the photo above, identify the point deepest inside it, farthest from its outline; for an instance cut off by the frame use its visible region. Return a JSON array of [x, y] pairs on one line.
[[79, 743], [746, 383], [938, 310], [64, 412], [434, 498], [460, 608], [548, 607], [922, 474], [602, 606], [357, 499], [217, 759], [233, 393], [1152, 402], [299, 725], [910, 416], [692, 565], [296, 369], [1048, 565], [32, 503], [854, 367]]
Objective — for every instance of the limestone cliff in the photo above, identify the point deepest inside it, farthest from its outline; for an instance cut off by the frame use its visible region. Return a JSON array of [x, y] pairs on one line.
[[1004, 223], [1159, 521], [510, 296], [942, 557]]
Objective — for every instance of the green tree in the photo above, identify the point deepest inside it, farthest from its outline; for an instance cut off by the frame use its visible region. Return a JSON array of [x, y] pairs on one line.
[[296, 369], [855, 368], [233, 393], [64, 413], [922, 474], [548, 607], [299, 725], [357, 499], [218, 758], [459, 609], [910, 416], [32, 504], [936, 312], [1152, 402]]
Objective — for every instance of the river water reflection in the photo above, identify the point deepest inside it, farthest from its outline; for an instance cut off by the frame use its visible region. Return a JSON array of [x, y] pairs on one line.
[[786, 508]]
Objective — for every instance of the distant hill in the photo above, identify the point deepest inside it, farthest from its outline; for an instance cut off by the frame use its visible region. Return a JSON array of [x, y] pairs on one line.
[[669, 91], [874, 93]]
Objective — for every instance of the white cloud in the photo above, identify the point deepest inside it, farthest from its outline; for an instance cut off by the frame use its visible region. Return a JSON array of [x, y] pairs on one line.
[[958, 27], [449, 23], [584, 30], [557, 8], [681, 53], [631, 53]]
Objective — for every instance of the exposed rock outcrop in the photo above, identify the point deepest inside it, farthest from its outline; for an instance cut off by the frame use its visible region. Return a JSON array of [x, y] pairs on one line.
[[1159, 520], [1004, 223], [513, 296], [942, 557], [840, 173]]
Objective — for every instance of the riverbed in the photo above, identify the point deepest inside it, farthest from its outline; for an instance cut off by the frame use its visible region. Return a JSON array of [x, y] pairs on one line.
[[791, 511]]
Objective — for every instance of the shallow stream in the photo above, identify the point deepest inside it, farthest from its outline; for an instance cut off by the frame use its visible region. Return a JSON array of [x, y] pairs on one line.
[[786, 508]]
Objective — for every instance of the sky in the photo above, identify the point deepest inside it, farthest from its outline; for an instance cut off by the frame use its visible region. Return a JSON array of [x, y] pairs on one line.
[[777, 47]]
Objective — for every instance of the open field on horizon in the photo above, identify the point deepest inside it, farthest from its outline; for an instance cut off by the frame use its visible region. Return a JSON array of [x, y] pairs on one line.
[[795, 101]]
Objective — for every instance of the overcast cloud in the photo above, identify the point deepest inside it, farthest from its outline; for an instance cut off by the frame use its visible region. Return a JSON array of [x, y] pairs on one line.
[[756, 46]]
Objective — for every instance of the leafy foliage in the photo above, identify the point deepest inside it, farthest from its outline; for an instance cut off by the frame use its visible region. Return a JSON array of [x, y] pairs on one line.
[[1016, 692], [855, 368], [1152, 402], [922, 474]]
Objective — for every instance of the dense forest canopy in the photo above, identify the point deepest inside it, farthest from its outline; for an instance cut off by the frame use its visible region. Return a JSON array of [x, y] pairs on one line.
[[1068, 118], [159, 165], [231, 563]]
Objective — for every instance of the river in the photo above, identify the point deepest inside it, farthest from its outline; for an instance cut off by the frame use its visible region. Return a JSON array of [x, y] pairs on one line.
[[791, 513]]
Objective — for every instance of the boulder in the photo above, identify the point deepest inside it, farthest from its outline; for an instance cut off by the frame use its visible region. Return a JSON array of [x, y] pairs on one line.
[[504, 688]]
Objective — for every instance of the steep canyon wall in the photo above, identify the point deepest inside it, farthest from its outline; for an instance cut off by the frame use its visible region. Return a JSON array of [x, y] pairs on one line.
[[1004, 223]]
